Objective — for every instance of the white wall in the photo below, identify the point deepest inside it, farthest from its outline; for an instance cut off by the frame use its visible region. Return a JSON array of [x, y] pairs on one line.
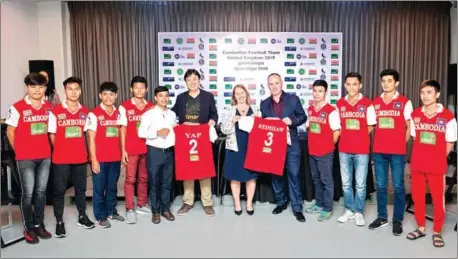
[[19, 44], [454, 36]]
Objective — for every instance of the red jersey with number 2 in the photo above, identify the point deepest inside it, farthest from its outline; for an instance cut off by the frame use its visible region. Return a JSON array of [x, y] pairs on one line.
[[267, 144], [193, 152]]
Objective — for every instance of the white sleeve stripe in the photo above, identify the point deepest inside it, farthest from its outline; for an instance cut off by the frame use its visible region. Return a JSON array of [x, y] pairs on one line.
[[451, 131]]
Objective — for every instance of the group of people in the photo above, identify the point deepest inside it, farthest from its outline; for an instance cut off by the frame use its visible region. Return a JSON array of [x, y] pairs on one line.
[[140, 136]]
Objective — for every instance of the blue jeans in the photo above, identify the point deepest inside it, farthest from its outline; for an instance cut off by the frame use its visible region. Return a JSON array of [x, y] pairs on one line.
[[160, 165], [382, 161], [293, 160], [33, 177], [321, 169], [105, 189], [360, 163]]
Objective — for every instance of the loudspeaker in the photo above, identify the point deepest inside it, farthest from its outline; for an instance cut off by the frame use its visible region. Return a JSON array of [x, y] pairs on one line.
[[452, 82], [35, 66]]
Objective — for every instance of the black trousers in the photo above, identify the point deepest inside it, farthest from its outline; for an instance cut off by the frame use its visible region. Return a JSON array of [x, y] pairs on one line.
[[160, 165], [78, 173]]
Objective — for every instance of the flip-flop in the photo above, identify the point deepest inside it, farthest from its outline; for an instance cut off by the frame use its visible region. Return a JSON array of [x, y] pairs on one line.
[[438, 241], [416, 234]]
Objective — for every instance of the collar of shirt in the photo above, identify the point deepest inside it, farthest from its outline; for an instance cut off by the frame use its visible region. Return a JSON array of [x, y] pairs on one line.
[[27, 100], [105, 109], [440, 108], [360, 96], [394, 96], [133, 101], [65, 105]]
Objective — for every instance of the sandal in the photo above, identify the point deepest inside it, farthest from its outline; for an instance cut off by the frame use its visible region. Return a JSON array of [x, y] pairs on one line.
[[416, 234], [438, 241]]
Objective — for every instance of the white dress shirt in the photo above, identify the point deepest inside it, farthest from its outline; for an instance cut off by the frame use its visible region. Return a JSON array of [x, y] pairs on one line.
[[154, 120]]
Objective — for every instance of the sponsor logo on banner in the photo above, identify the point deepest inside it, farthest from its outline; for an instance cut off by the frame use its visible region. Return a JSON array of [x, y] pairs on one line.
[[213, 78], [190, 40], [228, 86], [240, 41], [290, 71], [273, 41], [290, 86], [334, 93], [213, 63], [312, 55], [264, 40], [301, 41], [168, 79], [167, 56], [177, 87], [177, 56], [212, 56], [323, 46], [180, 71], [168, 48], [171, 94], [334, 71], [251, 86], [253, 101], [168, 86], [228, 40], [262, 91], [212, 86], [323, 62], [290, 41], [290, 64], [168, 64], [312, 71], [298, 86], [167, 71], [301, 71], [289, 56], [169, 102], [213, 47], [299, 56], [334, 56], [290, 79], [229, 79], [290, 48], [335, 47], [334, 40], [334, 62], [180, 40], [252, 41], [166, 41], [334, 86], [212, 71], [302, 101], [201, 46], [201, 62], [333, 101], [227, 101], [313, 41], [215, 93], [191, 55], [227, 94], [212, 40], [334, 78]]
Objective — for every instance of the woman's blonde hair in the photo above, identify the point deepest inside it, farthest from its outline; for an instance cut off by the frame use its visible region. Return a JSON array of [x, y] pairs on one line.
[[248, 99]]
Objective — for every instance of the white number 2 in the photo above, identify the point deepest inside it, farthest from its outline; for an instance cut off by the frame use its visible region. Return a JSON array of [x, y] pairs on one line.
[[193, 144], [270, 140]]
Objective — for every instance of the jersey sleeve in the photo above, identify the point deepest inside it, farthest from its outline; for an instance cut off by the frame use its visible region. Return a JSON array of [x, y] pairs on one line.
[[13, 117], [246, 123], [91, 122], [408, 109], [450, 131], [412, 129], [213, 134], [334, 120], [52, 123], [371, 116], [122, 121]]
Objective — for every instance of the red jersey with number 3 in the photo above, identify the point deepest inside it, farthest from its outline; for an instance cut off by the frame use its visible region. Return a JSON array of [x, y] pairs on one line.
[[267, 144], [193, 152], [70, 143]]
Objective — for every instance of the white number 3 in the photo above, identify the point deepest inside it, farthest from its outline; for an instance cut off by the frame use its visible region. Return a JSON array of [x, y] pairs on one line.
[[193, 144], [270, 140]]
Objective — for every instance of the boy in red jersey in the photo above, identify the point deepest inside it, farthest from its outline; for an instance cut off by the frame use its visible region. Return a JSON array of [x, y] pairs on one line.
[[105, 153], [434, 131], [323, 125], [392, 132], [134, 149], [357, 116], [66, 128], [27, 125]]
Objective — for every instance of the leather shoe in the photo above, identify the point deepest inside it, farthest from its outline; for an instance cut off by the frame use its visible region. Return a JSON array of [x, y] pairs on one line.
[[238, 212], [279, 209], [299, 216], [168, 216], [156, 219], [250, 212]]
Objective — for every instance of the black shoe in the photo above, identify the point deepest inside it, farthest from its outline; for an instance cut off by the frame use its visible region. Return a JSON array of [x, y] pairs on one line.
[[299, 216], [279, 209], [238, 212], [250, 212], [42, 232], [31, 237], [397, 228], [378, 223], [60, 230], [85, 222]]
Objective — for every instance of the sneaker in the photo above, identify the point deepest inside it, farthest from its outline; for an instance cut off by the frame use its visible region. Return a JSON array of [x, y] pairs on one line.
[[85, 222], [209, 211], [104, 223], [184, 209], [116, 217], [31, 237], [131, 217], [144, 210], [42, 232], [359, 219], [348, 214], [378, 223], [397, 228], [60, 230], [313, 210], [324, 215]]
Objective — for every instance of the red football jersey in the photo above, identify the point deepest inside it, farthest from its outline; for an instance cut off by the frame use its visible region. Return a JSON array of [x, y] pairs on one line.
[[130, 116], [193, 152], [429, 151], [320, 131], [267, 144], [31, 138], [70, 142]]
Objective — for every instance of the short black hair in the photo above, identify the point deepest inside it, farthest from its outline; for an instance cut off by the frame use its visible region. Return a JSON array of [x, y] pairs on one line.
[[35, 79], [73, 79], [191, 72], [138, 79], [322, 83], [354, 74], [390, 72], [160, 89], [432, 83], [108, 86]]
